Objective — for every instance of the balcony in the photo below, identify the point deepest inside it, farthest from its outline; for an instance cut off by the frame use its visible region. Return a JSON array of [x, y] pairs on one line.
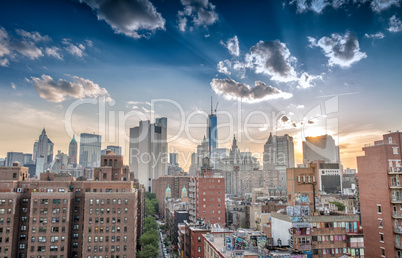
[[395, 185], [395, 171], [397, 215], [397, 230], [358, 231], [302, 247], [327, 231], [398, 245], [356, 244], [395, 199]]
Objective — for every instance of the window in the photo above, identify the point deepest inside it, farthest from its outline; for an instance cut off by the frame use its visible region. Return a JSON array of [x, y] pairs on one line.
[[380, 223], [199, 249], [379, 208], [395, 150], [389, 140], [199, 239], [382, 251], [381, 237]]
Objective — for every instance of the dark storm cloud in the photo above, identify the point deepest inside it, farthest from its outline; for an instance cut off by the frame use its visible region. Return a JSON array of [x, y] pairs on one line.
[[272, 58], [133, 18]]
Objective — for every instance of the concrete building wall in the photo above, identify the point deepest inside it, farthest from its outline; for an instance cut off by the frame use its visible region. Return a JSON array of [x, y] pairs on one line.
[[280, 230]]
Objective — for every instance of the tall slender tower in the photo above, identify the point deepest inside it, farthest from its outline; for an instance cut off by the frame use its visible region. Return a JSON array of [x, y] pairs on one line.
[[212, 132], [72, 152]]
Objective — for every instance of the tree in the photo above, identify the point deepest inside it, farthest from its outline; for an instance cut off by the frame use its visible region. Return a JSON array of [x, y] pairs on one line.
[[340, 206], [150, 224], [148, 251], [150, 195], [155, 203], [149, 208], [149, 238]]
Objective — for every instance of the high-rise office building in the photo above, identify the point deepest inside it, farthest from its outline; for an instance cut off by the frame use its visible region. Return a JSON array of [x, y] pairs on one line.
[[212, 133], [73, 152], [320, 148], [277, 157], [43, 148], [149, 151], [113, 148], [90, 150], [173, 159], [15, 157], [380, 187]]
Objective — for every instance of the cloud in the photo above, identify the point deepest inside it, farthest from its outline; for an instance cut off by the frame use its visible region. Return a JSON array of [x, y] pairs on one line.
[[316, 6], [59, 91], [201, 13], [89, 43], [241, 67], [284, 119], [133, 18], [306, 80], [27, 49], [4, 62], [13, 86], [231, 89], [54, 52], [232, 45], [75, 50], [342, 50], [34, 36], [395, 25], [222, 68], [380, 5], [272, 58], [300, 106], [378, 35]]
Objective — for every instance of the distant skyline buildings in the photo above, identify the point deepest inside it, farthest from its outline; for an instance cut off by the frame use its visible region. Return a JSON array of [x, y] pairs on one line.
[[43, 148], [90, 150], [115, 149], [73, 152], [321, 147], [149, 151], [278, 155]]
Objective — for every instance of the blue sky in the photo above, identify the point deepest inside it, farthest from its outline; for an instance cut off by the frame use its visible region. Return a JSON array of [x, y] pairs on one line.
[[274, 56]]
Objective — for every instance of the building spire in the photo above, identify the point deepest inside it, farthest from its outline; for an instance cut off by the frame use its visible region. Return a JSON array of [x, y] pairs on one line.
[[211, 106]]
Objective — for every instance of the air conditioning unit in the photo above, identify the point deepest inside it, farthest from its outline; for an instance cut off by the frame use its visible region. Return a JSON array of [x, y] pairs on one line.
[[19, 190]]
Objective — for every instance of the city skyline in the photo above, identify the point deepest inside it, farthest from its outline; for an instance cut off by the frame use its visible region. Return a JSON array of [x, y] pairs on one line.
[[288, 56]]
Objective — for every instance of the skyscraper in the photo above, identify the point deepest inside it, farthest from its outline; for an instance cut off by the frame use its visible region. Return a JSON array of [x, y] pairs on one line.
[[90, 149], [149, 151], [44, 148], [15, 157], [212, 132], [278, 155], [73, 152], [320, 148]]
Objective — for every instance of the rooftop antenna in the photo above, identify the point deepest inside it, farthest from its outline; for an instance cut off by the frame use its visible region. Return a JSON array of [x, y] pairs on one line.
[[211, 106]]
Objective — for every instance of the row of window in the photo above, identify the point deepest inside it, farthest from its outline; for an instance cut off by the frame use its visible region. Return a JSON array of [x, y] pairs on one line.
[[108, 220], [112, 239], [329, 238], [3, 201], [54, 201], [44, 220], [106, 229], [112, 248], [52, 229], [107, 190], [102, 210], [52, 248], [102, 201], [53, 239], [357, 251]]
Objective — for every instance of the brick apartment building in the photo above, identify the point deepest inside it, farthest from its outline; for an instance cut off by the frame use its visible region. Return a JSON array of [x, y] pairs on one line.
[[57, 216], [175, 183], [380, 185], [207, 196]]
